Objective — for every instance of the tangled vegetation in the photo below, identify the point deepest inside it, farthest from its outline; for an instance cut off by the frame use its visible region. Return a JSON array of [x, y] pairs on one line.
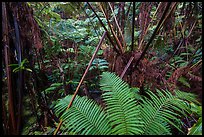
[[102, 68]]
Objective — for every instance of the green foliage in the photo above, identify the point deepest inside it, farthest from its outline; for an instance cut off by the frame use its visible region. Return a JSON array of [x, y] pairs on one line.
[[126, 111], [69, 8], [58, 86], [197, 56], [189, 97], [89, 50], [100, 64], [178, 61], [121, 108], [54, 50], [183, 80], [21, 66], [84, 117], [70, 29], [160, 109], [53, 87], [197, 128], [183, 58], [124, 114], [135, 92], [196, 109], [29, 119]]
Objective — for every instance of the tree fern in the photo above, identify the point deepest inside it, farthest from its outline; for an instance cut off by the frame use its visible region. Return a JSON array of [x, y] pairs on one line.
[[121, 107], [126, 112], [161, 108], [84, 117]]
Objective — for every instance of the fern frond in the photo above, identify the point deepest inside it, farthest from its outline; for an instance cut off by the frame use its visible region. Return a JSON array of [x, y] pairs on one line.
[[84, 117], [122, 110], [190, 97], [160, 108], [126, 112]]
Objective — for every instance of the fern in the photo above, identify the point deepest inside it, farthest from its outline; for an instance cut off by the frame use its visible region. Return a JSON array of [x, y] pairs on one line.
[[126, 112], [100, 64], [185, 96], [160, 109], [84, 117], [121, 108]]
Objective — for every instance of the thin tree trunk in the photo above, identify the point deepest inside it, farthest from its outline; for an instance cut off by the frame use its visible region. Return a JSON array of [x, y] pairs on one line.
[[20, 73], [8, 70]]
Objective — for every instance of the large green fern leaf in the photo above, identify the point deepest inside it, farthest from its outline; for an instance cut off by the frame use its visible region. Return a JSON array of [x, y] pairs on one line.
[[126, 112], [84, 117], [161, 107], [122, 110]]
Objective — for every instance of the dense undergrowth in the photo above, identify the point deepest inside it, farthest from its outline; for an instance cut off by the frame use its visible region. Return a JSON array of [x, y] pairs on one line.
[[146, 78]]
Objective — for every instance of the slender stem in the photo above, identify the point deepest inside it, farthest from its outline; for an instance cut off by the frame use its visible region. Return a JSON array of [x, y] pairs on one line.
[[127, 66], [77, 89], [191, 28], [62, 77], [128, 10], [133, 24]]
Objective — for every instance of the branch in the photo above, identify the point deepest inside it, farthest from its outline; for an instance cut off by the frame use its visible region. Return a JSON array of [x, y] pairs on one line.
[[127, 66], [63, 77]]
